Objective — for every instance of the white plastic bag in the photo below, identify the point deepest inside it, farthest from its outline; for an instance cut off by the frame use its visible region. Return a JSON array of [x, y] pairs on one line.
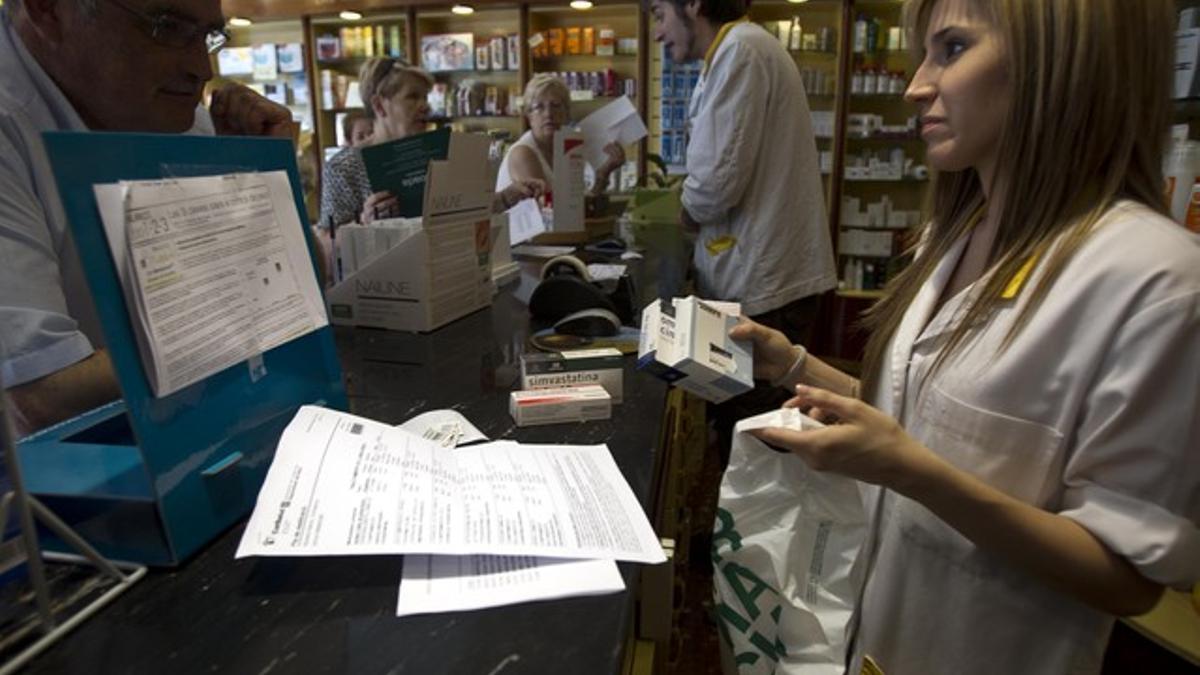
[[784, 548]]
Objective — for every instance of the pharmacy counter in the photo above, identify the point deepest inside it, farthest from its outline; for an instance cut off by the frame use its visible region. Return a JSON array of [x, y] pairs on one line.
[[337, 615]]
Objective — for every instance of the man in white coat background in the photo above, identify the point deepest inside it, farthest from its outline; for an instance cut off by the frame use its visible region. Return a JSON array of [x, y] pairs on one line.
[[753, 190]]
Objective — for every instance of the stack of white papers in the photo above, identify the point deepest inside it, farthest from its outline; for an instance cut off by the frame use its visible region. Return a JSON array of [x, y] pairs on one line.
[[215, 271], [344, 485]]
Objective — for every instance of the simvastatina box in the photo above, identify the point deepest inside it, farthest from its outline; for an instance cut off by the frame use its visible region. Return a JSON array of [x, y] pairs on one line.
[[547, 370], [566, 404]]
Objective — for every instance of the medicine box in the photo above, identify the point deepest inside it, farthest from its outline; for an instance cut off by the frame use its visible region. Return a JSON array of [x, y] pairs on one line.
[[866, 243], [685, 341], [565, 404], [574, 368], [1187, 63]]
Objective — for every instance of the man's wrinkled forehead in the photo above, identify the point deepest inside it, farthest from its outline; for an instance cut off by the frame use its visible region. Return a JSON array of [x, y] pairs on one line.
[[202, 12]]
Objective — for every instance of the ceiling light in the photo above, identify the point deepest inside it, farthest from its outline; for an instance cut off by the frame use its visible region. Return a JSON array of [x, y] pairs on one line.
[[797, 2], [462, 9], [347, 15], [581, 4], [239, 22]]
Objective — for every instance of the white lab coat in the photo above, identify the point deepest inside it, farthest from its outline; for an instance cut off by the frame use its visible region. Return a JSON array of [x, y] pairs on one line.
[[1093, 413], [753, 181]]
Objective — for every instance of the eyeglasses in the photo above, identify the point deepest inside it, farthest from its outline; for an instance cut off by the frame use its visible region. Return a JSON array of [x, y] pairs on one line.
[[551, 107], [177, 32]]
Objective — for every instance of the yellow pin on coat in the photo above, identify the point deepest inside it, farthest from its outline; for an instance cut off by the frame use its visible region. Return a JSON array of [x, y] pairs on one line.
[[719, 245], [1018, 280]]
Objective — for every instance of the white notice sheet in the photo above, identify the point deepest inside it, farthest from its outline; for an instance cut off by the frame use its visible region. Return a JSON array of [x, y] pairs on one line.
[[448, 583], [525, 221], [216, 270], [447, 428], [344, 485], [617, 122]]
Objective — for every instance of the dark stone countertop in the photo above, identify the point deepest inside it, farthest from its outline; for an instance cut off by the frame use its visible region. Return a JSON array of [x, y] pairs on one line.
[[215, 614]]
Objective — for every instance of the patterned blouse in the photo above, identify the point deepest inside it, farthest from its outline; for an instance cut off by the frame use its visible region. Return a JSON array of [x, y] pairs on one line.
[[344, 188]]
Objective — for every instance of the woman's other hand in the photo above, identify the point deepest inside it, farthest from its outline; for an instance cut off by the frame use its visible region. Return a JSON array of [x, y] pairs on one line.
[[860, 442], [615, 158], [379, 206], [521, 190]]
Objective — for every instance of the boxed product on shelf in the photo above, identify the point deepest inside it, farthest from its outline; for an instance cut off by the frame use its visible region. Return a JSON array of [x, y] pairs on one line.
[[329, 48], [493, 101], [866, 242], [448, 52], [498, 52], [1187, 63], [300, 89], [589, 40], [606, 41], [276, 91], [290, 57], [863, 125], [822, 123], [235, 61], [437, 99], [483, 57], [555, 39], [574, 43], [352, 38], [514, 52], [878, 214]]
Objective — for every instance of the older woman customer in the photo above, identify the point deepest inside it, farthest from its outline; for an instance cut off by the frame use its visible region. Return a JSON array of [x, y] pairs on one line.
[[395, 94], [547, 104]]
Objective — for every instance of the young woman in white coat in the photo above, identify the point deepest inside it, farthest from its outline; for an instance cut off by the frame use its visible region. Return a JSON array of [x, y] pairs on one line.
[[1028, 421]]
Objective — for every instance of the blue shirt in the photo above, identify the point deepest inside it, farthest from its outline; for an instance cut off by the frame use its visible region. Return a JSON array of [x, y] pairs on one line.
[[47, 319]]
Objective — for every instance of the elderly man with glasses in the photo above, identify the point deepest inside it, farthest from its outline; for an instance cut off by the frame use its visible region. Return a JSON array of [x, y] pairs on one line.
[[77, 65]]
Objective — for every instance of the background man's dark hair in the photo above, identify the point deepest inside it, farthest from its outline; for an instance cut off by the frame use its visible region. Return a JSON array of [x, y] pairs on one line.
[[717, 11]]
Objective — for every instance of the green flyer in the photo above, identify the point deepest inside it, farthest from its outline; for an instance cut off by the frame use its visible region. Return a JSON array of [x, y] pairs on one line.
[[400, 166]]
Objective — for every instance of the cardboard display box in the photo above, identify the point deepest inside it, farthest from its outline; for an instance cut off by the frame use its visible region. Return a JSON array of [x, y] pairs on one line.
[[440, 273]]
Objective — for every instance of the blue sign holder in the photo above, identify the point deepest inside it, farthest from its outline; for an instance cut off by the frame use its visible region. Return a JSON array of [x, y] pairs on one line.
[[151, 479]]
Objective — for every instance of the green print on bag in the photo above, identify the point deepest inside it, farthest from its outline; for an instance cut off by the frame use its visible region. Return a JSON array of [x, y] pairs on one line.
[[748, 588]]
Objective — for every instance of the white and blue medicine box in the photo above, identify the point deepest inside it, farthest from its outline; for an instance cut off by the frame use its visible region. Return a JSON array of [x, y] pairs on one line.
[[685, 341]]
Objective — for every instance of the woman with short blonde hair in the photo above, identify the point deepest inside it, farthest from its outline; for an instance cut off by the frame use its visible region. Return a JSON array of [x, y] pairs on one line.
[[397, 95], [547, 107], [1027, 415]]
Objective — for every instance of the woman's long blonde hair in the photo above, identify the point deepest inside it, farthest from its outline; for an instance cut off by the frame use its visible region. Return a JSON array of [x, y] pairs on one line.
[[1089, 89]]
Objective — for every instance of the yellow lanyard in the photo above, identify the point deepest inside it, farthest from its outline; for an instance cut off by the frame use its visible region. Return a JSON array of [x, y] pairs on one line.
[[712, 49]]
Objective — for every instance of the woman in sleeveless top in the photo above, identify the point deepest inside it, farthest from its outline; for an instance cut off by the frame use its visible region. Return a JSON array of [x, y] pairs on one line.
[[547, 106]]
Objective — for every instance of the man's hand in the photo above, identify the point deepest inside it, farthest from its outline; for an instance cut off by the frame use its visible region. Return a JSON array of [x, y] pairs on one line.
[[239, 111]]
